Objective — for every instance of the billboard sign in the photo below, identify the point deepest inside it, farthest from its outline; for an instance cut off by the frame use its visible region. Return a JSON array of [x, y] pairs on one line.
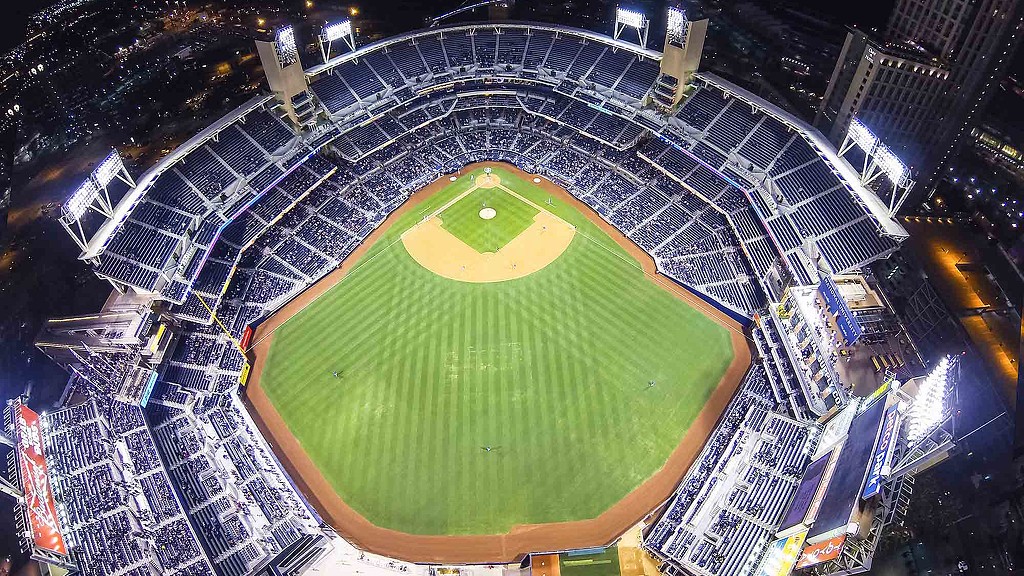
[[247, 334], [878, 393], [148, 390], [804, 497], [848, 325], [880, 459], [42, 513], [821, 552], [782, 555]]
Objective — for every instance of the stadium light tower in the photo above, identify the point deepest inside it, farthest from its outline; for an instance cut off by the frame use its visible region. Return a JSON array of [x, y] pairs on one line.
[[928, 430], [337, 31], [676, 30], [287, 50], [625, 18], [92, 195], [879, 160]]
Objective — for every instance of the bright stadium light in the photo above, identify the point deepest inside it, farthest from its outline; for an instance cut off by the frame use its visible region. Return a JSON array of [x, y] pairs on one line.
[[287, 51], [630, 18], [676, 30], [625, 18], [111, 166], [929, 406], [862, 136], [81, 200], [337, 30], [879, 160], [891, 165]]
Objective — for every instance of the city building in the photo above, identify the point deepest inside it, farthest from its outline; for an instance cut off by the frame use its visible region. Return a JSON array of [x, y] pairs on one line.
[[890, 86], [920, 85]]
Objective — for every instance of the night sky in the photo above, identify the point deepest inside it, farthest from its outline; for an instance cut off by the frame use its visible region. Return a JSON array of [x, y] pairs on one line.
[[865, 13]]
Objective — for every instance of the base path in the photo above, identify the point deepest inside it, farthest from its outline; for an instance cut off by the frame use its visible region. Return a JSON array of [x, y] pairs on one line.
[[441, 252], [523, 539]]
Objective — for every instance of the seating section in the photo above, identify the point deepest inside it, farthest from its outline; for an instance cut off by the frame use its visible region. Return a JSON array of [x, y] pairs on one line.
[[731, 153], [742, 147], [520, 51], [243, 508], [682, 201], [120, 510], [192, 197], [731, 501]]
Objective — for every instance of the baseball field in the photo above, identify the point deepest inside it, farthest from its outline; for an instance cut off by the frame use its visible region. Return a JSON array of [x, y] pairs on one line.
[[493, 359]]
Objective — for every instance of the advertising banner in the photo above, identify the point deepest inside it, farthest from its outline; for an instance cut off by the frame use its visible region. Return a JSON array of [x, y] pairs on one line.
[[42, 513], [782, 555], [848, 325], [880, 458], [821, 552]]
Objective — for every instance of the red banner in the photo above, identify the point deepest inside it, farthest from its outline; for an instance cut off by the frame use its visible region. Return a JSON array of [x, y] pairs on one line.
[[821, 552], [246, 338], [42, 514]]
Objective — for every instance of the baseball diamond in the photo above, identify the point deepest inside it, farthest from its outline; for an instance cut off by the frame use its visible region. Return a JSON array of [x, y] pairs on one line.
[[433, 405]]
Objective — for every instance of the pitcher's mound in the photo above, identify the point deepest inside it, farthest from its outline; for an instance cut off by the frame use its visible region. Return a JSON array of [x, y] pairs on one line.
[[488, 213]]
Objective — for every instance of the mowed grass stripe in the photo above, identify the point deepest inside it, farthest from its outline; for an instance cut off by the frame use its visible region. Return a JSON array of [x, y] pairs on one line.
[[551, 367]]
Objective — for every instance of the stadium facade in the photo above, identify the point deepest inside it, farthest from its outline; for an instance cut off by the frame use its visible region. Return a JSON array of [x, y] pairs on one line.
[[155, 465]]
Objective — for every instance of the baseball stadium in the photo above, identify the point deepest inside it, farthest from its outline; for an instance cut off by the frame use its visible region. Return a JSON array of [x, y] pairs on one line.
[[492, 298]]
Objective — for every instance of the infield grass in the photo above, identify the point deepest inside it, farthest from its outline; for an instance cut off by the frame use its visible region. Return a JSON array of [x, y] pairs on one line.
[[463, 219], [551, 370]]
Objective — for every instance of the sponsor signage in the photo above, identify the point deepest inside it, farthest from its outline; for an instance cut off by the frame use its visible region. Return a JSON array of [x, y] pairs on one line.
[[247, 335], [880, 459], [148, 390], [821, 552], [848, 325], [782, 555], [878, 393], [243, 377], [42, 513]]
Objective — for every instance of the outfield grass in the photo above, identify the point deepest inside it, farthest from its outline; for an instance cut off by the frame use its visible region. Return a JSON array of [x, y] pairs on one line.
[[463, 219], [552, 369]]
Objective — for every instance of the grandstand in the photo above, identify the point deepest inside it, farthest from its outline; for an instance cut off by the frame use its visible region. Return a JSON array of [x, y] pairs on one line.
[[733, 198]]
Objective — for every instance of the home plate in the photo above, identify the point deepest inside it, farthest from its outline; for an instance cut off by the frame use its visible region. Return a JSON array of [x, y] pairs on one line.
[[488, 213]]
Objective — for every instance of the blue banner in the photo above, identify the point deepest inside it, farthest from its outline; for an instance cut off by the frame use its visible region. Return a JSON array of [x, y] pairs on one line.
[[149, 390], [874, 482], [848, 325]]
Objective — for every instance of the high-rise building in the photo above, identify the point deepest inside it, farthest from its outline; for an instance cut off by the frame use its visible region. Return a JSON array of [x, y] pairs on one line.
[[941, 61], [891, 87]]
